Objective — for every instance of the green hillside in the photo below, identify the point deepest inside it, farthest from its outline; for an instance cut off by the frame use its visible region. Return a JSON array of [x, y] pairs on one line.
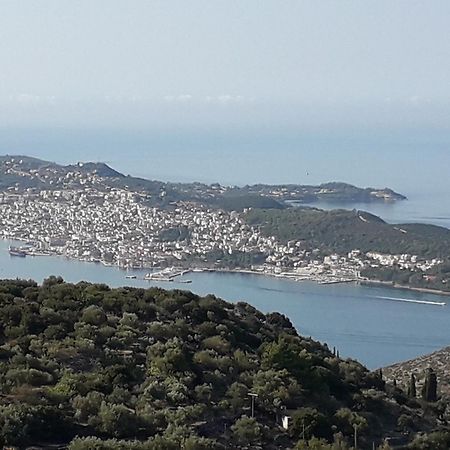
[[169, 370], [342, 231]]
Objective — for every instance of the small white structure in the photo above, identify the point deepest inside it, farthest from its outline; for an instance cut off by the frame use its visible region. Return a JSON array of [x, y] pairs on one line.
[[285, 421]]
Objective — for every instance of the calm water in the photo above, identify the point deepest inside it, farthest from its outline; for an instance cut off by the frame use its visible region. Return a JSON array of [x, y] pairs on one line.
[[412, 162], [355, 319], [421, 207]]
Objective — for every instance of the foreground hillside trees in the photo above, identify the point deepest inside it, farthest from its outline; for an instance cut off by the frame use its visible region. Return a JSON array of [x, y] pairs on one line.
[[90, 367]]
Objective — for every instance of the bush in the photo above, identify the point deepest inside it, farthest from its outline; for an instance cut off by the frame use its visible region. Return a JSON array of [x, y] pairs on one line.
[[246, 430]]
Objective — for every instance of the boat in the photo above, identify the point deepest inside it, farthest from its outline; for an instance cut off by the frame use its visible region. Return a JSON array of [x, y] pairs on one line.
[[184, 281], [409, 300], [17, 251], [132, 277]]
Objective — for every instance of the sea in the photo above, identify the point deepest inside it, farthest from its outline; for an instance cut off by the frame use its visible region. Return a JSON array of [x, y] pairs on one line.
[[373, 324], [376, 325]]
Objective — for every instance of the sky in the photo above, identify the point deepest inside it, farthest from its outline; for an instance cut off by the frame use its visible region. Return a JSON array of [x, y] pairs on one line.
[[324, 71]]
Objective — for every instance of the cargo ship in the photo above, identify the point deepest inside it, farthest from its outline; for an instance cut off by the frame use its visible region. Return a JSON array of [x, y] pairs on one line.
[[17, 251]]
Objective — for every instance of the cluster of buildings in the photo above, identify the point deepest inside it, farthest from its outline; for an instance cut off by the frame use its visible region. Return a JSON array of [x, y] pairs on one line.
[[121, 228], [404, 261], [117, 227]]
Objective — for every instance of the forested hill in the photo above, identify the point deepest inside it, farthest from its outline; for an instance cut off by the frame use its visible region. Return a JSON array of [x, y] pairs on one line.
[[341, 231], [150, 369]]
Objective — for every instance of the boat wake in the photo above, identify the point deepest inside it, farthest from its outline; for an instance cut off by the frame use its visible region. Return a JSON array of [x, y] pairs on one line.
[[409, 300]]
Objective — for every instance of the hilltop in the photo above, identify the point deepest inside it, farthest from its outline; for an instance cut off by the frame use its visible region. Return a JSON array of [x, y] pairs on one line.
[[21, 173], [152, 369]]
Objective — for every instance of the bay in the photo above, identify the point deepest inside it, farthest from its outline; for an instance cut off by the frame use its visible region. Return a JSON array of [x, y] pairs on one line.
[[363, 322], [420, 207], [355, 319]]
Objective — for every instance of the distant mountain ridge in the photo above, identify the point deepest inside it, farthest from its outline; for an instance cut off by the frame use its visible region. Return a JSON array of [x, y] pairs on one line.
[[19, 172]]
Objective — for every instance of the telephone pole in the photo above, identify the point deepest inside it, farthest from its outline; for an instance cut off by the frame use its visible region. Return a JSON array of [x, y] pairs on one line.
[[253, 396]]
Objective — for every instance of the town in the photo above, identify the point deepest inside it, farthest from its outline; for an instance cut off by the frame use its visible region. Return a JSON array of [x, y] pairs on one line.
[[118, 227]]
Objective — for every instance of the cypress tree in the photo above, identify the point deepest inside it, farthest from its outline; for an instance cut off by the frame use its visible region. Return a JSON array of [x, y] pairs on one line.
[[429, 389], [412, 387]]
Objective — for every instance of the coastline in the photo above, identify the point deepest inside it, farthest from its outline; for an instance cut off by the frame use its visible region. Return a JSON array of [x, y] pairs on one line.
[[402, 287], [283, 275]]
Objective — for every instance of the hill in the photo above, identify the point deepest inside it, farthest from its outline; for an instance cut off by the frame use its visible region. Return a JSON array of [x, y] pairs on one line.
[[100, 169], [439, 361], [341, 231], [20, 173], [331, 192], [154, 369], [23, 172]]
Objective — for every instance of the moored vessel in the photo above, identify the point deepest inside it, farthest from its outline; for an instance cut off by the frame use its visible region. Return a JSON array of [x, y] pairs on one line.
[[17, 251]]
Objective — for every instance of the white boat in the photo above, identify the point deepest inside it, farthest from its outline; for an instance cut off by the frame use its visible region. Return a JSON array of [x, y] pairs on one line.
[[409, 300]]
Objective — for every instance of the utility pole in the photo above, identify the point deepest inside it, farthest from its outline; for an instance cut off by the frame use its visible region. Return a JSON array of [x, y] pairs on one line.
[[253, 396], [355, 428]]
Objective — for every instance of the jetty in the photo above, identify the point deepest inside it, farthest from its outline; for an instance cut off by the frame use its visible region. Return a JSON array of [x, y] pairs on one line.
[[169, 274]]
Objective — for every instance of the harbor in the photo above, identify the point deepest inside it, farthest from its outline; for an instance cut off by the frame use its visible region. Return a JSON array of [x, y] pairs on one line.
[[169, 274], [344, 315]]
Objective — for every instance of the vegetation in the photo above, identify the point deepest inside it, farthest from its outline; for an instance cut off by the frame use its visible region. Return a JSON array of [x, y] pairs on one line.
[[32, 173], [332, 192], [437, 278], [429, 389], [240, 202], [90, 367], [417, 369], [412, 387], [341, 231]]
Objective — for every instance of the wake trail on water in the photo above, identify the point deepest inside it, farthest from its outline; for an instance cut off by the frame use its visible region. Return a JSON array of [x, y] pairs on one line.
[[409, 300]]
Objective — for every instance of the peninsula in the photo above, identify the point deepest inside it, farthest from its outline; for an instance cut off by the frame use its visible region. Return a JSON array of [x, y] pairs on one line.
[[23, 173], [91, 212]]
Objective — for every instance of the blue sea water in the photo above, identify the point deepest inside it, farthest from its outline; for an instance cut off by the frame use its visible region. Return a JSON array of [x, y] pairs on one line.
[[420, 207], [406, 160], [363, 322], [355, 319], [413, 162]]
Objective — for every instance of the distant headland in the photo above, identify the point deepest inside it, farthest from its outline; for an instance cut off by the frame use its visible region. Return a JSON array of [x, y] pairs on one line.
[[20, 173]]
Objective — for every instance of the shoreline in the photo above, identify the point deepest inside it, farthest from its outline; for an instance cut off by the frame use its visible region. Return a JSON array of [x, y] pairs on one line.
[[286, 275], [403, 287]]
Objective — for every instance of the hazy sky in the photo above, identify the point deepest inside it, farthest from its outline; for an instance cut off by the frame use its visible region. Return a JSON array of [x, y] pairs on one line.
[[220, 63], [236, 91]]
